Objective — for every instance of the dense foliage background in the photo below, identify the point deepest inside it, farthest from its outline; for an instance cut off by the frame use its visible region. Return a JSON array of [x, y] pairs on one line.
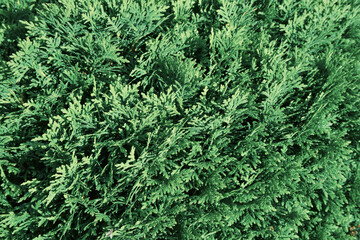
[[185, 119]]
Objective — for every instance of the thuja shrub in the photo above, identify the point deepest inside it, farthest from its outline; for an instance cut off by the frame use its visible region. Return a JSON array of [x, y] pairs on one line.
[[183, 119]]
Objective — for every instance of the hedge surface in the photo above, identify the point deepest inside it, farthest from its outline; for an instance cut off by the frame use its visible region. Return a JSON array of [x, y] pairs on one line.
[[185, 119]]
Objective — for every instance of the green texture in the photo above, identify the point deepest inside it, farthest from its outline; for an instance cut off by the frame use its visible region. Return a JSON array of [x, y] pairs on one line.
[[184, 119]]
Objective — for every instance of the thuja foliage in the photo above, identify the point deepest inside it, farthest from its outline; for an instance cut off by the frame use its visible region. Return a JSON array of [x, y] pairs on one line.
[[11, 29], [185, 119]]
